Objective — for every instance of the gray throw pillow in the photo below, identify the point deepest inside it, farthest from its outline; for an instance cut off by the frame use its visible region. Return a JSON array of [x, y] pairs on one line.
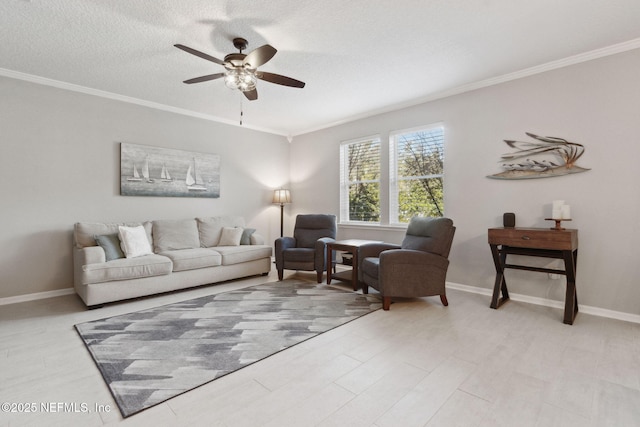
[[169, 235], [111, 245], [246, 236]]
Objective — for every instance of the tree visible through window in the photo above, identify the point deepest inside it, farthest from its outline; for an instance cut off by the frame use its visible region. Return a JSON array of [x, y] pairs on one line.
[[417, 169], [360, 180]]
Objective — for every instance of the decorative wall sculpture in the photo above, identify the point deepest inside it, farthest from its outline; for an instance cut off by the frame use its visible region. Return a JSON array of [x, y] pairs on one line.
[[154, 171], [546, 157]]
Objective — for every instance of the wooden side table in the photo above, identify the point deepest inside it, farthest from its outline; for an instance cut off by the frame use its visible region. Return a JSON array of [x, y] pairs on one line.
[[538, 242], [350, 246]]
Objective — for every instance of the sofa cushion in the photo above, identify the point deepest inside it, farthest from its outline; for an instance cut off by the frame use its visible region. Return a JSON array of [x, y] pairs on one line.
[[84, 232], [175, 234], [238, 254], [110, 243], [134, 241], [191, 259], [210, 228], [126, 268], [230, 236]]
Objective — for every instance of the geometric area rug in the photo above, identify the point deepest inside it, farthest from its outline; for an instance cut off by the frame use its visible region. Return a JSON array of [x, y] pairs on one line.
[[150, 356]]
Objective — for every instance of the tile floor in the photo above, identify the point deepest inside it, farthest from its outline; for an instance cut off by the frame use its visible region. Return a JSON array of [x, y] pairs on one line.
[[420, 364]]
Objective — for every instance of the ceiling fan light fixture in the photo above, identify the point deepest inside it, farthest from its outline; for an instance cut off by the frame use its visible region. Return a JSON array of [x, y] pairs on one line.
[[242, 69], [239, 78]]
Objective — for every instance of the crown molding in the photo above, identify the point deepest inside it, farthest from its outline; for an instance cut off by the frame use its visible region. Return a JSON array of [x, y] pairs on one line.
[[553, 65], [128, 99], [549, 66]]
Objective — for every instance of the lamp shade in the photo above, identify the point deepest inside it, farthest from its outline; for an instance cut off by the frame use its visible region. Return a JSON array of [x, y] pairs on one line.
[[281, 196]]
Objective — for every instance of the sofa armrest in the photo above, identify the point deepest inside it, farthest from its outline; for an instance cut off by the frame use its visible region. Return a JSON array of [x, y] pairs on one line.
[[82, 257], [90, 255]]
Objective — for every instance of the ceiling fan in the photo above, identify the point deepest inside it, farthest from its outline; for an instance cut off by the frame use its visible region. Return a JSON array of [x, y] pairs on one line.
[[242, 70]]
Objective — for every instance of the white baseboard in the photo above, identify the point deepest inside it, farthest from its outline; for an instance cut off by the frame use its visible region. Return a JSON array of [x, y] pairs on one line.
[[36, 296], [586, 309]]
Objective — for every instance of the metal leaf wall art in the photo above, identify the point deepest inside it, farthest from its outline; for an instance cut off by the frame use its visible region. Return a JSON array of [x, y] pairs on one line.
[[546, 157]]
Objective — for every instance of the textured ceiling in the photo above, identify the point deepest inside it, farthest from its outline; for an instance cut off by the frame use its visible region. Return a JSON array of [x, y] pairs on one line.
[[357, 57]]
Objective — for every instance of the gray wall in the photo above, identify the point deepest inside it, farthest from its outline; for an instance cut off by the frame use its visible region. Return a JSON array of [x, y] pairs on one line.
[[596, 103], [60, 164]]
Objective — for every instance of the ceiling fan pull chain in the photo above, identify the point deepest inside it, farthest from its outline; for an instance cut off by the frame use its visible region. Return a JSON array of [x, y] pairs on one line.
[[241, 112]]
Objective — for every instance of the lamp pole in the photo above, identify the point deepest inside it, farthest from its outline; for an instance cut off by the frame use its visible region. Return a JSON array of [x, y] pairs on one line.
[[281, 219], [281, 196]]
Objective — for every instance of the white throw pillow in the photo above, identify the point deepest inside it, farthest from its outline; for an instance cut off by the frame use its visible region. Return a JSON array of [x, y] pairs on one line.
[[230, 236], [134, 242]]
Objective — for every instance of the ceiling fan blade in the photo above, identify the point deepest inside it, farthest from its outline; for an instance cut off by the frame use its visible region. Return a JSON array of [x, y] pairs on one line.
[[200, 54], [259, 56], [251, 95], [279, 79], [204, 78]]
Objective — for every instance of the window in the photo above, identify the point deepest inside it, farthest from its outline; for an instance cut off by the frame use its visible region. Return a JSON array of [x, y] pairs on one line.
[[360, 180], [416, 172]]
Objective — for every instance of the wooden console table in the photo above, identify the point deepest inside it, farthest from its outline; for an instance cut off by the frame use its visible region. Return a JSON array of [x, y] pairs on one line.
[[537, 242], [350, 246]]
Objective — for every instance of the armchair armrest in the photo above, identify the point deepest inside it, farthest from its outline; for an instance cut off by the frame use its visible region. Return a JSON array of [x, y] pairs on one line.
[[374, 249], [321, 253], [281, 244]]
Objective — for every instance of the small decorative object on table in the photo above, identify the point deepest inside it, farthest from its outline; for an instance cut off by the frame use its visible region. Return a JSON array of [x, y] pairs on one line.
[[560, 212]]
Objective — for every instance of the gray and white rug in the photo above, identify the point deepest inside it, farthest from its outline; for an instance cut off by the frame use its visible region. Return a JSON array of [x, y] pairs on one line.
[[150, 356]]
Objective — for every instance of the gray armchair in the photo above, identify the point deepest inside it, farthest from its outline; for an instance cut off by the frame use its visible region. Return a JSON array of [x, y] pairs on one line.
[[307, 249], [417, 268]]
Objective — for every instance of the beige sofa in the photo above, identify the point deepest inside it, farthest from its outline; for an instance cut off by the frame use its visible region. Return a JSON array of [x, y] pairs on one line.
[[186, 253]]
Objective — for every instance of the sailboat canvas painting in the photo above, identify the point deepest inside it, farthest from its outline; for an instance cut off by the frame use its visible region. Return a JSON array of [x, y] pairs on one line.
[[165, 172]]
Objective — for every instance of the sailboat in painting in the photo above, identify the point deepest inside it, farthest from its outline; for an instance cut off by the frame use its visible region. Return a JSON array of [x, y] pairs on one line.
[[164, 175], [197, 183], [136, 174], [145, 170]]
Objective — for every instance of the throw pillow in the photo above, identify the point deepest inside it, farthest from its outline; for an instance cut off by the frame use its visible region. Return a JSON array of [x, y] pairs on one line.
[[210, 228], [111, 245], [134, 241], [230, 236], [175, 234], [246, 236]]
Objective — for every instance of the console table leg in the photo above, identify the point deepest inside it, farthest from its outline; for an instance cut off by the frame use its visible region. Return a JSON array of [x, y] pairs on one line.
[[496, 290], [571, 297], [500, 286]]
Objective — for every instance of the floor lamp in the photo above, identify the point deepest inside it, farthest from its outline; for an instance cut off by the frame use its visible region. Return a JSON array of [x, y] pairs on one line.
[[281, 197]]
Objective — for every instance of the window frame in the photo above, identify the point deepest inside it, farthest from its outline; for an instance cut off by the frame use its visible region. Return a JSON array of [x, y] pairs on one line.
[[394, 180], [345, 182]]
